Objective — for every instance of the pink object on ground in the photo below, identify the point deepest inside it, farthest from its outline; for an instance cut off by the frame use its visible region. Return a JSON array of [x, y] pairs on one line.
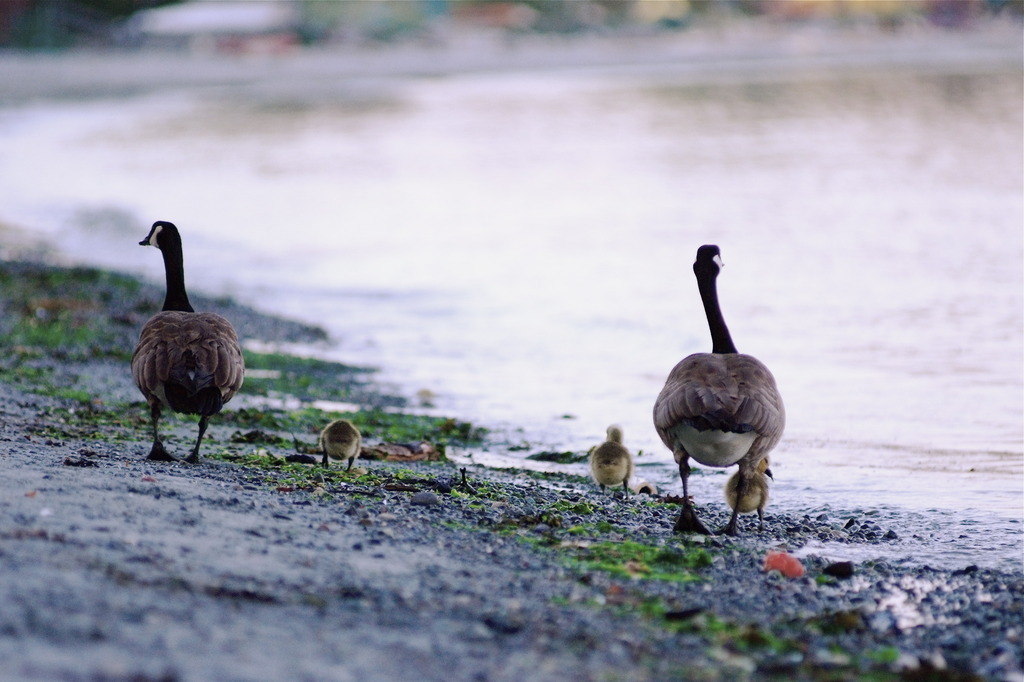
[[786, 564]]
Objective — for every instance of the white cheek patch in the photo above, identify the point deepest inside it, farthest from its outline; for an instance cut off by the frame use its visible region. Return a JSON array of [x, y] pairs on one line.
[[155, 234], [718, 261]]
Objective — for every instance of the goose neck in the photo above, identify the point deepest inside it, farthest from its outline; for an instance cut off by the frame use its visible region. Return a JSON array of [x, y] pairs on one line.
[[174, 267], [721, 340]]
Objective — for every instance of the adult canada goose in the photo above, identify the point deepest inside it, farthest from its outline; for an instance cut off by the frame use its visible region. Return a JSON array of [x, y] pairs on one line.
[[610, 462], [756, 497], [721, 408], [341, 440], [186, 361]]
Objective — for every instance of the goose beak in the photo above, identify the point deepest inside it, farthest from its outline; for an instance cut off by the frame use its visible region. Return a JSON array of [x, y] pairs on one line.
[[144, 242]]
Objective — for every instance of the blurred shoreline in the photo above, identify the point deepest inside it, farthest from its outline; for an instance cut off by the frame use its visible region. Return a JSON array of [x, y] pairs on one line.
[[745, 50]]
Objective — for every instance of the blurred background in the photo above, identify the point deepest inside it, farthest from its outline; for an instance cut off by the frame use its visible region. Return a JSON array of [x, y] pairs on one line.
[[270, 25], [498, 205]]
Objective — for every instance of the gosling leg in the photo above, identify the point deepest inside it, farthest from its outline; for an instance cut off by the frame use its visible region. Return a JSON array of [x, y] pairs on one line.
[[741, 489]]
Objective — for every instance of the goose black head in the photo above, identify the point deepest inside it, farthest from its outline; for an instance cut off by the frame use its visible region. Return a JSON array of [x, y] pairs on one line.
[[161, 234], [709, 261]]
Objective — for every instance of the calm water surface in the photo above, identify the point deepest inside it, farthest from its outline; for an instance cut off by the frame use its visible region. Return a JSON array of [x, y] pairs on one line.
[[520, 246]]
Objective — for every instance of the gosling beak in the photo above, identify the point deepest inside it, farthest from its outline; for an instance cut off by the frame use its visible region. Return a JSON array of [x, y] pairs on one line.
[[768, 473]]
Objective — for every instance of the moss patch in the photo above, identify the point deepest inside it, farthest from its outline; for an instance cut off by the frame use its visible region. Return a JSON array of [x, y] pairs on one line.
[[629, 559]]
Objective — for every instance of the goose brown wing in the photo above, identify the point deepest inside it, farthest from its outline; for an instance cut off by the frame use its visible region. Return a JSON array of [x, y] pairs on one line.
[[200, 349], [760, 403], [729, 392]]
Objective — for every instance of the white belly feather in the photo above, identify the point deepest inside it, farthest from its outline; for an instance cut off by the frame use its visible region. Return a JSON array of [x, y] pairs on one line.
[[713, 448]]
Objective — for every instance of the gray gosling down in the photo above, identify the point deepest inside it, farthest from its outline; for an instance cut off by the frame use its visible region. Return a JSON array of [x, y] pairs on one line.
[[610, 462], [721, 408], [341, 440], [185, 361], [756, 496]]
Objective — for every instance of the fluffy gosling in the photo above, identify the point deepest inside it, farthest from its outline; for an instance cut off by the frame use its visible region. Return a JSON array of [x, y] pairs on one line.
[[341, 440], [610, 462], [755, 497]]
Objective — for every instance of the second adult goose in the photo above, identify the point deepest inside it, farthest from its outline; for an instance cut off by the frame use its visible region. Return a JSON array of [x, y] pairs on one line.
[[721, 408], [185, 361]]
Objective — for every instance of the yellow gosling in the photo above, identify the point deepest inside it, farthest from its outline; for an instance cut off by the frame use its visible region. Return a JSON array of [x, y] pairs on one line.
[[755, 497], [610, 462]]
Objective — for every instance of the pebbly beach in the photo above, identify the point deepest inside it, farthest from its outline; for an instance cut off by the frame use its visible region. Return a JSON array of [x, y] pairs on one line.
[[248, 566]]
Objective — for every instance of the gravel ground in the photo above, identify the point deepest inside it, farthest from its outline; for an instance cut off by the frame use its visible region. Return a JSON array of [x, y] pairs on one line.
[[117, 568]]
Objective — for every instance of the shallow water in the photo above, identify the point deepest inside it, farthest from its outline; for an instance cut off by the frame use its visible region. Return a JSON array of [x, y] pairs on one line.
[[519, 245]]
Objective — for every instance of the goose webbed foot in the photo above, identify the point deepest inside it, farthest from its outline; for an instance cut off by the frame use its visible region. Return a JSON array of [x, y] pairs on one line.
[[193, 458], [158, 453], [688, 521]]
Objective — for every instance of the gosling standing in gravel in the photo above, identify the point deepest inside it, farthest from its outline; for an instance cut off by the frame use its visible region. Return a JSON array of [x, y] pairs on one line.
[[341, 440], [755, 497], [610, 462], [186, 361]]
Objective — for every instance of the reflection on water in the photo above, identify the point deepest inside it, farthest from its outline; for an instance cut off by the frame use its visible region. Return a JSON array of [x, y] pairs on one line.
[[520, 245]]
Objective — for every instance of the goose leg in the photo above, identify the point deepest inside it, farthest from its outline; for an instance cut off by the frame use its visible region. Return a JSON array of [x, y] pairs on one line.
[[193, 458], [158, 452], [687, 521]]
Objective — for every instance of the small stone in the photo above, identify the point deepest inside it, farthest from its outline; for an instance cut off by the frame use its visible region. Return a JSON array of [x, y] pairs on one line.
[[79, 462], [891, 535], [425, 498], [840, 569]]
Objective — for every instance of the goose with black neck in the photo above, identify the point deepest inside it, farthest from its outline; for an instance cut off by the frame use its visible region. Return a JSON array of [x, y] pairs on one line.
[[720, 408], [188, 362]]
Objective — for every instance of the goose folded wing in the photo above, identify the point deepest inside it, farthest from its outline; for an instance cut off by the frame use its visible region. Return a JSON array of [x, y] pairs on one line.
[[759, 403], [723, 392]]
